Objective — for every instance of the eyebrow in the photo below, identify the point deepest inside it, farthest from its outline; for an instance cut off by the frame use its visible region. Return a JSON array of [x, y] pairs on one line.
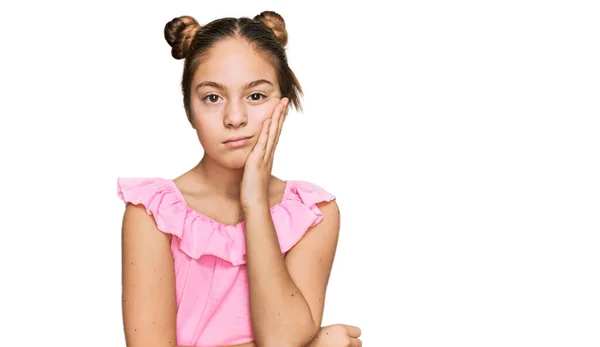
[[222, 87]]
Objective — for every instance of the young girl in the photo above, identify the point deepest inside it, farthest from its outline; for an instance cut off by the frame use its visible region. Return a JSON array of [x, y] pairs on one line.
[[228, 254]]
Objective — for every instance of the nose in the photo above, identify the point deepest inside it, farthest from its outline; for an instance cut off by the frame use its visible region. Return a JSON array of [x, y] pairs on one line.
[[235, 115]]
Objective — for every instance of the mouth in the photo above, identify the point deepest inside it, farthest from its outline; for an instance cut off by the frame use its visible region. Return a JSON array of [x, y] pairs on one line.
[[237, 141]]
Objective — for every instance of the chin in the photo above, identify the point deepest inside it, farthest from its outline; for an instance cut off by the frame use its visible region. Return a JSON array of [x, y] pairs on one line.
[[235, 160]]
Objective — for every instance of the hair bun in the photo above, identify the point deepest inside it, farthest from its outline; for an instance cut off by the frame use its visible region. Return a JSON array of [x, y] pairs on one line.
[[179, 33], [274, 21]]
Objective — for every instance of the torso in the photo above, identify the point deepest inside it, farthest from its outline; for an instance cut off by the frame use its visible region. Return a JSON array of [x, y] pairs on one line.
[[211, 280]]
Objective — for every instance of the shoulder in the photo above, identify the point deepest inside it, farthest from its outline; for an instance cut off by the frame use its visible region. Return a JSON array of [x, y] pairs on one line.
[[317, 223], [138, 224], [151, 202], [143, 213], [145, 190], [321, 201], [310, 192], [307, 209]]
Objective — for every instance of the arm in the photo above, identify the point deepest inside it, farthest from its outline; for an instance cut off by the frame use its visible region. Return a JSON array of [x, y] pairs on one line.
[[149, 308], [287, 295], [149, 304], [331, 335]]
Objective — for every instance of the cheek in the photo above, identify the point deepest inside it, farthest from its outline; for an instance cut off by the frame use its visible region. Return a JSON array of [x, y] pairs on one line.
[[207, 129], [261, 112], [206, 134]]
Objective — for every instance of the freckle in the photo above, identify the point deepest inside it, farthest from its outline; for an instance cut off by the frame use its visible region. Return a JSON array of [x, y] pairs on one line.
[[135, 329], [326, 333], [131, 263], [292, 294]]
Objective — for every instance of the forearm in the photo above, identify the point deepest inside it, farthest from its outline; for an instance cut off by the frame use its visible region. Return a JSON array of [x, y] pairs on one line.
[[313, 343], [249, 344], [280, 315]]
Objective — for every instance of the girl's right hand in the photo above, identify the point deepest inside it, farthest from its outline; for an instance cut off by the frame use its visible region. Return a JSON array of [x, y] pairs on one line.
[[337, 335]]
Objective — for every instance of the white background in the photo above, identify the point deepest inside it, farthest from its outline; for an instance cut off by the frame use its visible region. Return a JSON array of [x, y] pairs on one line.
[[461, 140]]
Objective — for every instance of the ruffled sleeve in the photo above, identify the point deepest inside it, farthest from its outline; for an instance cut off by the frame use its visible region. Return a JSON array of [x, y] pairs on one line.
[[194, 234], [299, 212], [159, 199], [198, 235]]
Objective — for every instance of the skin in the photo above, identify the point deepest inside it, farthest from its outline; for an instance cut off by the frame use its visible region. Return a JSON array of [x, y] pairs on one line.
[[229, 185]]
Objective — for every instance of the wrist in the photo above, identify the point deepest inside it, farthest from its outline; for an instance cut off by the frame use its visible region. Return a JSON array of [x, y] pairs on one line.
[[255, 205]]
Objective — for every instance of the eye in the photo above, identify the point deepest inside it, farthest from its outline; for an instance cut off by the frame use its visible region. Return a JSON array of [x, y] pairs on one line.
[[257, 96], [211, 98]]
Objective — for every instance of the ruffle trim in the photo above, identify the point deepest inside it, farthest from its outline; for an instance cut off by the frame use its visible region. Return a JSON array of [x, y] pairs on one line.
[[200, 235]]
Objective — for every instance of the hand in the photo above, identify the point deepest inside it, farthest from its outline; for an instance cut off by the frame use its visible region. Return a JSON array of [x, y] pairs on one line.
[[337, 335], [254, 188]]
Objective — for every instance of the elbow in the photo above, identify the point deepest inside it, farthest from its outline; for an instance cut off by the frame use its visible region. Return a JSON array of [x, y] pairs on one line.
[[297, 336], [307, 333], [312, 332], [305, 336]]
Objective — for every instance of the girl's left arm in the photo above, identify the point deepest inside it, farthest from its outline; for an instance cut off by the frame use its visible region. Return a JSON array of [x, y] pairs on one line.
[[287, 296]]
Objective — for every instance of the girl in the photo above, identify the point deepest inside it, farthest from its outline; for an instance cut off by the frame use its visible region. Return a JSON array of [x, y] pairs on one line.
[[228, 254]]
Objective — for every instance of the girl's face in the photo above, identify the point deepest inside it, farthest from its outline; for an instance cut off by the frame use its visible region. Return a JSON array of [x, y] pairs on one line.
[[233, 91]]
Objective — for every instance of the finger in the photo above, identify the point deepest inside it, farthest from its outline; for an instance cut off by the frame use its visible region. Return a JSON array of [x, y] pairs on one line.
[[275, 120], [261, 143], [352, 330], [355, 342], [280, 126], [275, 117]]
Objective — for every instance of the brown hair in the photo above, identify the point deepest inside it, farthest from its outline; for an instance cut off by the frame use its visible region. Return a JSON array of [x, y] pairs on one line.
[[266, 33]]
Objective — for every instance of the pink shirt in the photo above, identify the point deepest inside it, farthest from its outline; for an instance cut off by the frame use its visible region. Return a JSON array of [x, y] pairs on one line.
[[211, 280]]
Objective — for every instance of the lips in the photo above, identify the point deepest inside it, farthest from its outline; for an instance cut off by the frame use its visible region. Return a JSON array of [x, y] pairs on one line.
[[237, 139], [236, 142]]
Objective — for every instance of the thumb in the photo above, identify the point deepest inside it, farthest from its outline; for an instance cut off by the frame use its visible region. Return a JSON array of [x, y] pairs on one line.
[[352, 330]]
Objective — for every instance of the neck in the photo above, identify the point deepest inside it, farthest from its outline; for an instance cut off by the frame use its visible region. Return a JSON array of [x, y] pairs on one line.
[[224, 180]]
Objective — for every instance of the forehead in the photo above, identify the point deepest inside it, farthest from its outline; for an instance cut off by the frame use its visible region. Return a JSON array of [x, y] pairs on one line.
[[234, 62]]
